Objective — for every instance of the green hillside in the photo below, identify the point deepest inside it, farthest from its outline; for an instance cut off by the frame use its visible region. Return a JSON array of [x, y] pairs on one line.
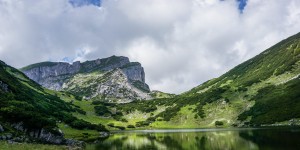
[[41, 64], [261, 91], [23, 101]]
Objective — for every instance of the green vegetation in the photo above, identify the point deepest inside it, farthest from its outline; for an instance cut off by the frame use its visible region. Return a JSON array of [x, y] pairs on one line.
[[259, 88], [27, 102], [219, 123], [275, 104], [159, 94], [88, 66], [263, 90], [83, 135], [41, 64], [26, 146]]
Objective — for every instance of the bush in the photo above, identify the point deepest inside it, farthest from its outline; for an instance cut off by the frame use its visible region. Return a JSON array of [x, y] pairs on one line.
[[80, 111], [78, 97], [130, 126], [219, 123], [97, 102], [123, 120], [80, 124], [151, 119], [142, 123], [111, 124], [120, 127], [101, 110], [160, 119]]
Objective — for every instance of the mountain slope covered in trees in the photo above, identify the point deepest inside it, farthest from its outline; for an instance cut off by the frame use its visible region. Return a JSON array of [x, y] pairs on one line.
[[28, 109]]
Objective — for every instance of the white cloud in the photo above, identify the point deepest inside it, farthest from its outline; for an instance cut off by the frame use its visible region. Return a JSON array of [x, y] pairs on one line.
[[180, 43]]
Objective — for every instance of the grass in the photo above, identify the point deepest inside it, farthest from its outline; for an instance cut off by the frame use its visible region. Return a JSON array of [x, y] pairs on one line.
[[41, 64], [84, 135], [218, 110], [30, 146]]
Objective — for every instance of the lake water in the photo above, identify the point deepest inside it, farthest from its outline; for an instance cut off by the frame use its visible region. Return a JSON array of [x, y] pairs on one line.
[[203, 139]]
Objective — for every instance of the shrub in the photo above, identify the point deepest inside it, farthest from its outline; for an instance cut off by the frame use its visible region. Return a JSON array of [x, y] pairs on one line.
[[80, 124], [130, 126], [80, 111], [159, 119], [123, 120], [120, 127], [111, 124], [101, 110], [219, 123], [151, 119], [96, 102], [142, 123]]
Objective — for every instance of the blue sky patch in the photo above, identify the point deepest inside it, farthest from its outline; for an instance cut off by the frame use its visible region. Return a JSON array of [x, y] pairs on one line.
[[242, 5], [67, 59], [79, 3]]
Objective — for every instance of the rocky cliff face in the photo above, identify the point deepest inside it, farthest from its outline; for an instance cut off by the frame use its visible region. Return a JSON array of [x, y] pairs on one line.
[[113, 77]]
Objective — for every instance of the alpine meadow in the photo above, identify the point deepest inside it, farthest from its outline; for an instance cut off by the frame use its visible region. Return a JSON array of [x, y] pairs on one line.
[[135, 78]]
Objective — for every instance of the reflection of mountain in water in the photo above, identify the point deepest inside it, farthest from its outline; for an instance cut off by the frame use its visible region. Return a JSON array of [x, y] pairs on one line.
[[275, 139], [176, 141]]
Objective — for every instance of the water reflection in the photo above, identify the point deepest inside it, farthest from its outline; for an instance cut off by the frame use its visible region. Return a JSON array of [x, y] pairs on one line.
[[239, 139]]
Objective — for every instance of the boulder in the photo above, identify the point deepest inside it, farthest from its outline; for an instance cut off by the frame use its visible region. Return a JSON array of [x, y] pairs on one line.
[[1, 128]]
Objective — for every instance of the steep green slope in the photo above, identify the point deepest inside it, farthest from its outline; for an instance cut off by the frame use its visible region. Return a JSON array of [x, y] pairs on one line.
[[280, 58], [26, 103], [275, 104], [261, 91]]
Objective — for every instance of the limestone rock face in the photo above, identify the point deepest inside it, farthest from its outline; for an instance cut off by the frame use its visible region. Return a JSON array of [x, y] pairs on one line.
[[112, 78]]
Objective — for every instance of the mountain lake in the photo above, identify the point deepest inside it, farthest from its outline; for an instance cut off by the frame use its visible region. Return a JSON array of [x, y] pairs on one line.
[[203, 139]]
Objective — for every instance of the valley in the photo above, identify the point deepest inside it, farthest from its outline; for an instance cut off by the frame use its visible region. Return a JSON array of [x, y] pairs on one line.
[[84, 101]]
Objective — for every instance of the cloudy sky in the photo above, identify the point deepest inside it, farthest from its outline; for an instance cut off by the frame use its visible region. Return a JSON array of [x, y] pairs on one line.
[[180, 43]]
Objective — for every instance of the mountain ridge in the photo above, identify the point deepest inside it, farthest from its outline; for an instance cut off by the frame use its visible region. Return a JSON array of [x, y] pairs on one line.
[[58, 75]]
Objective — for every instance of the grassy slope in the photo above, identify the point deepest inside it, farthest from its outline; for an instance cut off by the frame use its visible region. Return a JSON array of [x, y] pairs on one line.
[[241, 86], [26, 101], [263, 88], [240, 93], [41, 64], [37, 107], [26, 146]]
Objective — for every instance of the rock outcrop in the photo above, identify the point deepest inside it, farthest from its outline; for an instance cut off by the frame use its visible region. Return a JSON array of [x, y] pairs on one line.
[[3, 87], [90, 79], [1, 128], [41, 135]]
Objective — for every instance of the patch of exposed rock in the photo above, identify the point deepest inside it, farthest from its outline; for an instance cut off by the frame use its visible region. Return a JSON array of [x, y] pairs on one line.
[[127, 83], [3, 87], [40, 135]]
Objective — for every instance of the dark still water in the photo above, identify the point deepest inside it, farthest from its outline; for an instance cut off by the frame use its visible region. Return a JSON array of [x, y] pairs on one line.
[[203, 139]]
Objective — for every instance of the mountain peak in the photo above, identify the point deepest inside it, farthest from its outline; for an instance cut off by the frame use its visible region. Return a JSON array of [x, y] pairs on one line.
[[55, 75]]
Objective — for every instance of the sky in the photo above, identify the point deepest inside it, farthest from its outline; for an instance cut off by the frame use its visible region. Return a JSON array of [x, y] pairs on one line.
[[180, 43]]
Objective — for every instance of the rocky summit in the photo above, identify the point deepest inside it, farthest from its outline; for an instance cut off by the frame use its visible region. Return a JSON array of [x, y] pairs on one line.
[[112, 79]]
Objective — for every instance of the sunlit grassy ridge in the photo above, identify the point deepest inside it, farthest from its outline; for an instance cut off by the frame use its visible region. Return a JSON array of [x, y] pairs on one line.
[[257, 89]]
